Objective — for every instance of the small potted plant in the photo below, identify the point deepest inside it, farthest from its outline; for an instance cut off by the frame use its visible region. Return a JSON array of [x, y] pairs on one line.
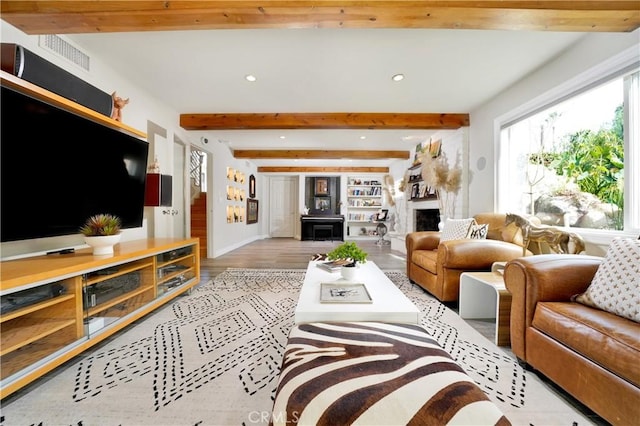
[[348, 250], [102, 232]]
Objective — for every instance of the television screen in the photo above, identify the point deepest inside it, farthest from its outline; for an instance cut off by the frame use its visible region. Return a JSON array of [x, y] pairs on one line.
[[58, 168]]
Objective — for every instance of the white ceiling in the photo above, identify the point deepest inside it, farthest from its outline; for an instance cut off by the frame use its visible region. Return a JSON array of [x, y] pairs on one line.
[[325, 70]]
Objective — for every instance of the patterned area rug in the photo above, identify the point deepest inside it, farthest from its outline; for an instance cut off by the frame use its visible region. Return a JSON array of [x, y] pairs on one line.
[[212, 358]]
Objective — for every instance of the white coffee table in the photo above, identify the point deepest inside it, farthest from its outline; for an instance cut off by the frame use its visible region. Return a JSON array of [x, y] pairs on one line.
[[484, 295], [389, 304]]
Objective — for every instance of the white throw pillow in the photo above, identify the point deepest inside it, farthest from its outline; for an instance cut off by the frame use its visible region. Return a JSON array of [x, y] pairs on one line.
[[615, 287], [478, 232], [456, 229]]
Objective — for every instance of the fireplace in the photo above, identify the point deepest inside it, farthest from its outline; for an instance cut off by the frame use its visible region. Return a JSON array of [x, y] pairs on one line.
[[426, 220]]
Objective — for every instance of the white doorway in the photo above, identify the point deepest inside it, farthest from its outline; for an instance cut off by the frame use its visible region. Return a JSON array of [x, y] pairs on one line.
[[179, 203], [283, 192]]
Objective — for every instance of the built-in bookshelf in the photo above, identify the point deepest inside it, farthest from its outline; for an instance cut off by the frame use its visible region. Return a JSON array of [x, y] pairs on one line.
[[364, 201]]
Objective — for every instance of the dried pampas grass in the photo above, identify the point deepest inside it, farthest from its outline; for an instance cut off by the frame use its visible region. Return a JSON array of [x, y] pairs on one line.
[[437, 173], [447, 180]]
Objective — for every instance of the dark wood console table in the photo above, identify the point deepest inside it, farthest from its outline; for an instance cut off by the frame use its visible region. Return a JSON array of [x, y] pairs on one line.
[[322, 227]]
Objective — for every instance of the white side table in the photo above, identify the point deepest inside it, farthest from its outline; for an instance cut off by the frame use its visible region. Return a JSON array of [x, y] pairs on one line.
[[483, 295]]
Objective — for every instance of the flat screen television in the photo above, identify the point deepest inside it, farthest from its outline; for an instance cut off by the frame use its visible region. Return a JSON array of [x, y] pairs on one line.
[[58, 168]]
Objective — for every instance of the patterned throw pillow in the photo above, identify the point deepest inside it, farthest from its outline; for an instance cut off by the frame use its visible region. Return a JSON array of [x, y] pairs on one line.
[[456, 229], [478, 232], [615, 287]]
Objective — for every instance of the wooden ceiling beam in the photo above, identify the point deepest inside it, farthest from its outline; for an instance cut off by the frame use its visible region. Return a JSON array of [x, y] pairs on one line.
[[319, 154], [69, 17], [279, 169], [330, 120]]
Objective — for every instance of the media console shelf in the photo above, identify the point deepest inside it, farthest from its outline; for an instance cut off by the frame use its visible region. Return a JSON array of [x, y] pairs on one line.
[[55, 307]]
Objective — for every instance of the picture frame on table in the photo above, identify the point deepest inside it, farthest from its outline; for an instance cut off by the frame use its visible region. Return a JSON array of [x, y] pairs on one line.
[[252, 211]]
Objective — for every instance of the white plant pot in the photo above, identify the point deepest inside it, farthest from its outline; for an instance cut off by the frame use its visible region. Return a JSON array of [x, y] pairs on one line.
[[102, 244], [349, 272]]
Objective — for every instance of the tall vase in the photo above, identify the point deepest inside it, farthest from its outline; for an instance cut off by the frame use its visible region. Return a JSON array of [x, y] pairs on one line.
[[443, 218]]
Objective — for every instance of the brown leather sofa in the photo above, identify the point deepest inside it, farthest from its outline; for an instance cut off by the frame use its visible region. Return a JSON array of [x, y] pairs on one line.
[[592, 354], [436, 266]]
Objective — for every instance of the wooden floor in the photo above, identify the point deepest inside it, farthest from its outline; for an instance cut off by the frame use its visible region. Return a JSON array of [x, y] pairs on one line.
[[293, 254]]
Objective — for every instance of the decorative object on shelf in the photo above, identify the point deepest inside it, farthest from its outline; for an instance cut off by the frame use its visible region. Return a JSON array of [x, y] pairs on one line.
[[415, 190], [381, 215], [155, 166], [419, 152], [118, 105], [252, 211], [446, 180], [252, 186], [102, 232], [435, 147], [321, 186], [322, 203]]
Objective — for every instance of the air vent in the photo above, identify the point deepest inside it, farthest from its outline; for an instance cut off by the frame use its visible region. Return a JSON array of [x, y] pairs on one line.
[[65, 49]]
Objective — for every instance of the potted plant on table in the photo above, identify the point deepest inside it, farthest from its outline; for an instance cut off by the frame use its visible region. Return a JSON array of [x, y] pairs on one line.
[[102, 232], [350, 251]]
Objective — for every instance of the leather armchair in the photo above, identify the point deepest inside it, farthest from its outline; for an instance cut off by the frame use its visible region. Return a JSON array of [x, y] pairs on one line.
[[436, 266], [590, 353]]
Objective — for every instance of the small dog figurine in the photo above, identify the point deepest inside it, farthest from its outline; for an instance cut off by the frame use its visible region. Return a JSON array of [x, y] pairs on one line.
[[118, 104]]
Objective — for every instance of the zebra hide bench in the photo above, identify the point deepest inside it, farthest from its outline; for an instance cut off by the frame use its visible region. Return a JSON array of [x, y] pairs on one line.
[[372, 373]]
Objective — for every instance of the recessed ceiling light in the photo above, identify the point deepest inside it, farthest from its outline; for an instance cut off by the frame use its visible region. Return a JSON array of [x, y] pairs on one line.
[[283, 137], [363, 137], [250, 77], [398, 77]]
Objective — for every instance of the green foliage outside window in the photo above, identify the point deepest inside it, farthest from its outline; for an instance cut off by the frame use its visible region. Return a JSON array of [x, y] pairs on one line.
[[595, 162]]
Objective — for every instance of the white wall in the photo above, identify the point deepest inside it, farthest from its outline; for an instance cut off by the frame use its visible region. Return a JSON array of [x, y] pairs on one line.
[[588, 52], [223, 236]]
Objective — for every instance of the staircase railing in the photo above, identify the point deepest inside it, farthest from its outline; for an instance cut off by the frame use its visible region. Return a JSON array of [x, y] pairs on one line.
[[197, 160], [196, 174]]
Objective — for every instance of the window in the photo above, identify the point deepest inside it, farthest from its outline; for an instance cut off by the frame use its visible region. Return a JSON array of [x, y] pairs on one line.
[[574, 161]]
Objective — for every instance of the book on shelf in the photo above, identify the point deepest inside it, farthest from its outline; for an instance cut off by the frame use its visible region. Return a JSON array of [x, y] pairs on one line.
[[333, 265]]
